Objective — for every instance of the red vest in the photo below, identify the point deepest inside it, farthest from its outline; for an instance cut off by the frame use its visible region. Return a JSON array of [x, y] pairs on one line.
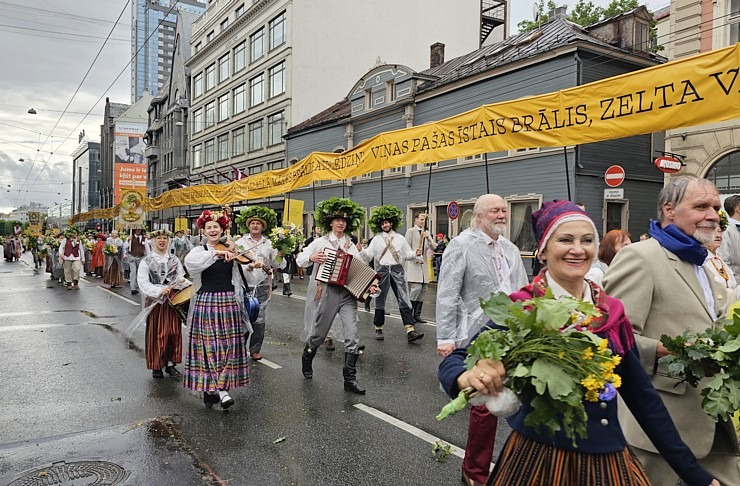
[[70, 250]]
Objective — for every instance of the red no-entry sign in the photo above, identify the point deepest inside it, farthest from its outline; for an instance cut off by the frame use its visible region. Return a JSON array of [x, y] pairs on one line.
[[614, 176]]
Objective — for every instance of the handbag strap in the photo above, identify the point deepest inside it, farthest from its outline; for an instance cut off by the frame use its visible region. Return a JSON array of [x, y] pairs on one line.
[[244, 279]]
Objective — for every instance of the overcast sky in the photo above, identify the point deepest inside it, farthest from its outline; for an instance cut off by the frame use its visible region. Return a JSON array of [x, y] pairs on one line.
[[48, 46]]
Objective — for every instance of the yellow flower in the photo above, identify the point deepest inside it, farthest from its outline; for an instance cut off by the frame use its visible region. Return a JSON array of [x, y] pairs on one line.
[[587, 354], [592, 395], [601, 348], [616, 360], [561, 354], [590, 383], [608, 367], [616, 380]]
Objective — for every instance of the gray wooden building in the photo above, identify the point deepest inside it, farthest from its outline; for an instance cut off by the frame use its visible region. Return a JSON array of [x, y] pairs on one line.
[[557, 55]]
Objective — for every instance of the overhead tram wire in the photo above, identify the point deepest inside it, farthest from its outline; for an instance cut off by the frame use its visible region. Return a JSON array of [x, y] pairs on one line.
[[70, 102], [146, 41], [57, 14]]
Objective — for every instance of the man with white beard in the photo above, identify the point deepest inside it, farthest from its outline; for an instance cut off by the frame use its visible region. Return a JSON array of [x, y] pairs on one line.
[[475, 265], [666, 290]]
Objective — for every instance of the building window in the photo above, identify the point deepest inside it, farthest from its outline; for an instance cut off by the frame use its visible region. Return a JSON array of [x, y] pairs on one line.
[[256, 90], [211, 77], [277, 31], [255, 169], [240, 57], [390, 92], [734, 21], [197, 47], [368, 99], [239, 11], [223, 107], [239, 99], [237, 141], [198, 85], [224, 25], [278, 164], [209, 37], [275, 128], [223, 147], [210, 114], [197, 120], [210, 154], [255, 135], [197, 151], [256, 45], [520, 221], [642, 36], [277, 79], [223, 68]]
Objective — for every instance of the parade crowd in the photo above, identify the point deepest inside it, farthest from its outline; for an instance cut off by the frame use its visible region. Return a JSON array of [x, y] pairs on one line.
[[679, 277]]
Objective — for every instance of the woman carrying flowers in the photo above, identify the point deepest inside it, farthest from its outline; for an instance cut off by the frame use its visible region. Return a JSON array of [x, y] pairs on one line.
[[113, 274], [217, 359], [599, 456], [98, 257]]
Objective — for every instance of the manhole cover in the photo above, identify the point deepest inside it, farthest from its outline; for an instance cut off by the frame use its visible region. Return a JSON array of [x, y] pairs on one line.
[[82, 473]]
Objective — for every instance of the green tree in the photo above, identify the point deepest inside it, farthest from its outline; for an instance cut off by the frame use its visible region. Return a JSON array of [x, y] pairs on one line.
[[586, 13], [528, 25]]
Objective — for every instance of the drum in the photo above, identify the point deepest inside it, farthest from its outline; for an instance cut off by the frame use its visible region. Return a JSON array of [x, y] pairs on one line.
[[180, 300]]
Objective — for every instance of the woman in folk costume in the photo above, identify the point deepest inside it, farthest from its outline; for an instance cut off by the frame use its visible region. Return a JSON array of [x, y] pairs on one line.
[[255, 222], [89, 243], [325, 302], [567, 244], [217, 359], [158, 275], [113, 274], [98, 257]]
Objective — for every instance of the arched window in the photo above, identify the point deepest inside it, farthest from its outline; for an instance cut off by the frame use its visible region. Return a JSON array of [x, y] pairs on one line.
[[726, 173]]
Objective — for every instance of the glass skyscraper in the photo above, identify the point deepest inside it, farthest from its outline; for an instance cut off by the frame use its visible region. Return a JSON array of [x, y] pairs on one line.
[[153, 57]]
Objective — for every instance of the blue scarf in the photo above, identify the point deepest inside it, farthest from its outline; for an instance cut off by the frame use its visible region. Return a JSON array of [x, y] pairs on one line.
[[679, 243]]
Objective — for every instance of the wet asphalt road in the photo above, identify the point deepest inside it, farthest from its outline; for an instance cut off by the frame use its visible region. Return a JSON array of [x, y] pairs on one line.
[[74, 391]]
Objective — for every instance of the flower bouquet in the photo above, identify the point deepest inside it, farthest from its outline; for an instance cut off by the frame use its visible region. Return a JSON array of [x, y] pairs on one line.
[[43, 252], [286, 239], [713, 354], [551, 360], [110, 249], [89, 245]]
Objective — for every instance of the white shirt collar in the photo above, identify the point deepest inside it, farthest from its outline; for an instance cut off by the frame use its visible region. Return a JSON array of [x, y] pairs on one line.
[[559, 291]]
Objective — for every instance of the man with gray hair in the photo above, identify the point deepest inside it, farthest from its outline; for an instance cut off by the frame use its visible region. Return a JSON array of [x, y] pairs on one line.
[[729, 250], [665, 290], [476, 264]]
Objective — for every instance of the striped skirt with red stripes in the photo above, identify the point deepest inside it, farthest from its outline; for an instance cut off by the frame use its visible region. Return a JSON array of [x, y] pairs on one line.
[[217, 352], [163, 337], [526, 462]]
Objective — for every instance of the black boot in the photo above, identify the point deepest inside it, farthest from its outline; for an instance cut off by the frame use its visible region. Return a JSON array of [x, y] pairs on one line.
[[417, 311], [286, 289], [350, 374], [306, 360]]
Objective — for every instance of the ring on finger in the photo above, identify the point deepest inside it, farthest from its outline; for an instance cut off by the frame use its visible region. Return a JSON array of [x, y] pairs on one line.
[[481, 376]]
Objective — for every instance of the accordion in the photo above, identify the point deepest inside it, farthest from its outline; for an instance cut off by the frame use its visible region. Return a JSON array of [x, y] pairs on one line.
[[340, 268]]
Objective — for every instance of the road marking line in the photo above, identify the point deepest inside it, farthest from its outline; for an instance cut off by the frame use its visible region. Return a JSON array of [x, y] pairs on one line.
[[119, 296], [409, 428], [34, 327], [27, 313], [269, 364]]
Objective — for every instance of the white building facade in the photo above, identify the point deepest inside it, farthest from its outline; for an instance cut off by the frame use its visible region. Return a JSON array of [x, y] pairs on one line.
[[259, 68]]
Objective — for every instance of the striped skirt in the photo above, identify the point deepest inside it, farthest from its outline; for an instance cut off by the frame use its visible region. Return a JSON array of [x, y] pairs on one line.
[[524, 461], [113, 275], [217, 352], [163, 337]]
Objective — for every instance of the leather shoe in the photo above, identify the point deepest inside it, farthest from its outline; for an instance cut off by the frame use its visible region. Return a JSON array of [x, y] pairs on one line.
[[256, 356], [329, 344], [172, 371], [379, 335], [210, 399], [157, 374], [412, 336], [134, 292], [226, 402], [419, 320]]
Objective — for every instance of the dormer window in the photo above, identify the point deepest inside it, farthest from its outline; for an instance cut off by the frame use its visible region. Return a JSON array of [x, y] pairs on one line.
[[642, 36]]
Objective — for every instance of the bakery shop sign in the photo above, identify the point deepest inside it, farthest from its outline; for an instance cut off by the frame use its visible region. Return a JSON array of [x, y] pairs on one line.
[[668, 164]]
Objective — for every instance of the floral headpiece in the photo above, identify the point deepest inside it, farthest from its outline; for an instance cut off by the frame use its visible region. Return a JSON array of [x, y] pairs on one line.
[[723, 221], [161, 232], [218, 216], [264, 215], [385, 213], [339, 207]]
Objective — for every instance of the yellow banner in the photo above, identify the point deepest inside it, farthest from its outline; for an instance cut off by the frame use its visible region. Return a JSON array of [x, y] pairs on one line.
[[181, 224], [293, 212], [691, 91], [35, 222]]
